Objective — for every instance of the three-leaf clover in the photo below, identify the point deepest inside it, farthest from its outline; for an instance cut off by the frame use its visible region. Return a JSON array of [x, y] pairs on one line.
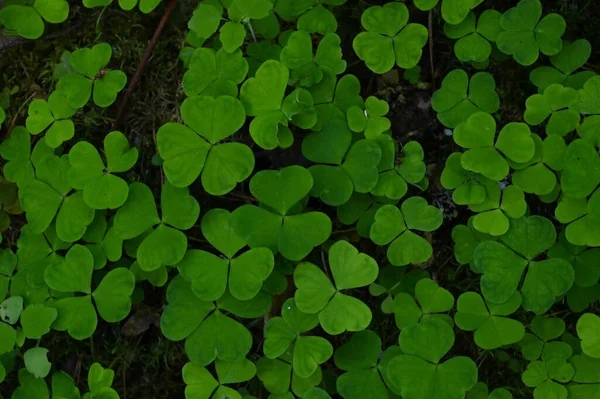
[[277, 225], [388, 39], [166, 244], [525, 35], [492, 328], [503, 264], [54, 113], [541, 344], [48, 196], [76, 314], [475, 36], [332, 98], [556, 103], [308, 69], [28, 20], [572, 57], [361, 209], [371, 120], [337, 312], [499, 206], [193, 149], [433, 300], [469, 188], [210, 334], [581, 173], [201, 384], [282, 332], [101, 188], [90, 75], [478, 136], [546, 377], [589, 97], [417, 372], [210, 275], [343, 167], [16, 150], [393, 225], [458, 98], [365, 373], [537, 176], [397, 171], [215, 73], [263, 98], [279, 378]]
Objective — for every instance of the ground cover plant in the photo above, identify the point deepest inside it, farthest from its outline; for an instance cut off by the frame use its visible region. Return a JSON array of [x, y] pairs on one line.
[[299, 199]]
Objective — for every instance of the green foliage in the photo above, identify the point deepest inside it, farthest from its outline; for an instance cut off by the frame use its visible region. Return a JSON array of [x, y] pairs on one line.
[[389, 39], [26, 19], [304, 177]]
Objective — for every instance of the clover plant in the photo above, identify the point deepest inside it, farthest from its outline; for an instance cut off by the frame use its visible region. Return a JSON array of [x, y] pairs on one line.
[[556, 103], [26, 19], [280, 380], [342, 167], [453, 11], [361, 209], [282, 332], [459, 97], [395, 225], [316, 294], [589, 97], [308, 69], [571, 58], [492, 328], [371, 120], [16, 150], [200, 383], [91, 78], [503, 264], [54, 113], [433, 301], [389, 40], [313, 15], [166, 244], [277, 224], [210, 275], [417, 372], [525, 35], [145, 6], [475, 36]]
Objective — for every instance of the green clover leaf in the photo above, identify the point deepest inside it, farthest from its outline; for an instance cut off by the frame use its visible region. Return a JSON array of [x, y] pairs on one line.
[[166, 244], [333, 99], [537, 176], [21, 160], [494, 219], [432, 300], [294, 235], [36, 362], [556, 103], [589, 97], [453, 11], [77, 314], [279, 378], [358, 357], [91, 76], [458, 98], [306, 69], [206, 19], [371, 120], [581, 173], [342, 169], [396, 172], [214, 73], [492, 328], [281, 332], [53, 113], [312, 15], [316, 294], [28, 21], [210, 275], [102, 189], [587, 330], [502, 268], [388, 39], [191, 150], [475, 36], [393, 225], [209, 333], [417, 371], [201, 384], [36, 320], [477, 136], [525, 35], [572, 57]]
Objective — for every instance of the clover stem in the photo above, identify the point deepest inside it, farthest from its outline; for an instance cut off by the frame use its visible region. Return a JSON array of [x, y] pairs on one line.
[[251, 30]]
